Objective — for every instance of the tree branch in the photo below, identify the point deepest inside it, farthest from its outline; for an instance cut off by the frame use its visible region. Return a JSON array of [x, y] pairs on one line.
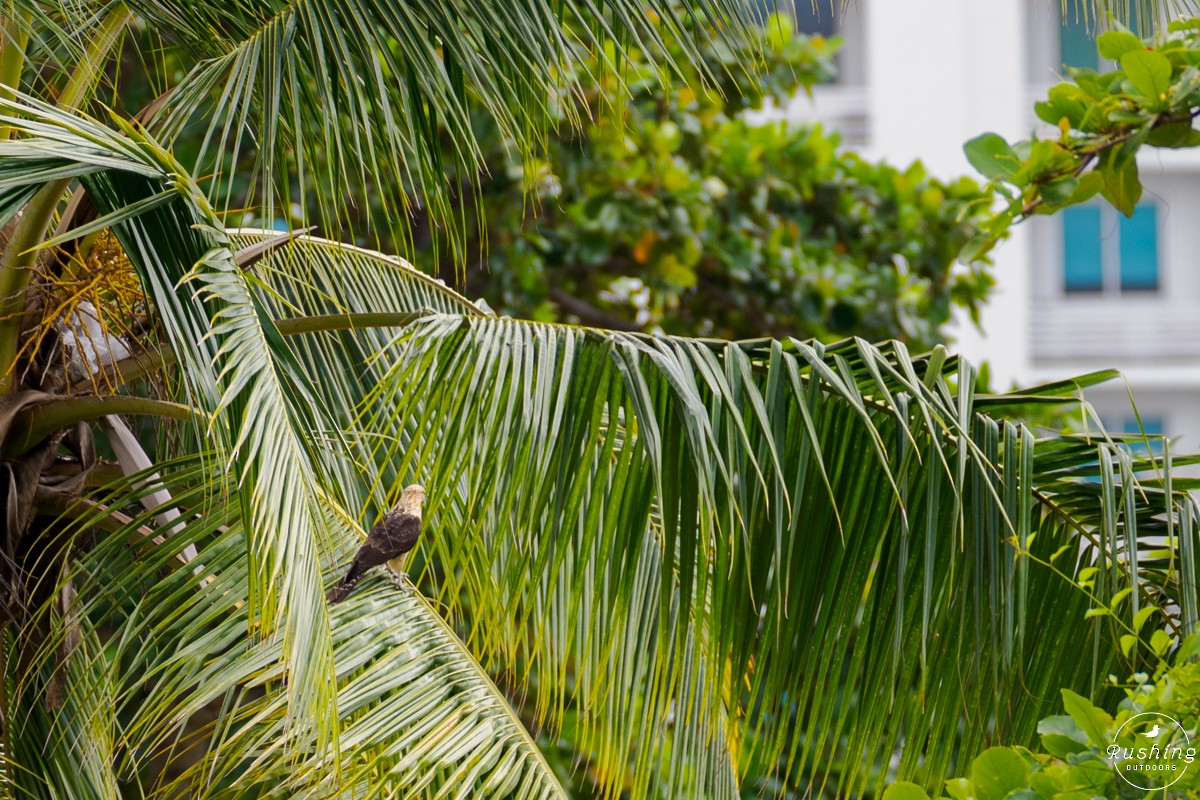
[[1106, 142], [591, 315], [32, 425], [340, 322]]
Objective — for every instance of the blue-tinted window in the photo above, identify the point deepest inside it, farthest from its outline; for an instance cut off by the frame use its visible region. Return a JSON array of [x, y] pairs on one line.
[[1105, 251], [1076, 44], [821, 20], [1151, 425], [1139, 249], [1083, 268]]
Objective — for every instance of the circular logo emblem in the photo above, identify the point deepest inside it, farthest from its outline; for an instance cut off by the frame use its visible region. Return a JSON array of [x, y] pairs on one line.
[[1151, 751]]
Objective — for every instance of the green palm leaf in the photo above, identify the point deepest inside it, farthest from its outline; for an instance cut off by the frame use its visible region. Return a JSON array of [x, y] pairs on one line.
[[235, 369], [415, 709], [549, 581], [335, 96], [696, 554]]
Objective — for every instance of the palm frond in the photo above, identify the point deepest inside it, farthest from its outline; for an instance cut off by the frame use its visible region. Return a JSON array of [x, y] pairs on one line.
[[352, 96], [699, 554], [234, 364], [812, 503], [311, 277], [416, 710]]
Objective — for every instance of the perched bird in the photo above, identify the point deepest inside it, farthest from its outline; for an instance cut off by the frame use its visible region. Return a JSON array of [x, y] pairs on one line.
[[389, 542]]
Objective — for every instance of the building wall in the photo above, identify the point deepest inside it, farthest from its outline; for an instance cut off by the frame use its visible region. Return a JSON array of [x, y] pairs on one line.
[[932, 74], [1139, 329]]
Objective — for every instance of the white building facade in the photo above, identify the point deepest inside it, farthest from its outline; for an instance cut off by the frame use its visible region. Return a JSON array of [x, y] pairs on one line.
[[1083, 290]]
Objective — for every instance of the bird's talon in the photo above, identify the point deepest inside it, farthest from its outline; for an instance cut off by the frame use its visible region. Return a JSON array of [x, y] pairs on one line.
[[403, 583]]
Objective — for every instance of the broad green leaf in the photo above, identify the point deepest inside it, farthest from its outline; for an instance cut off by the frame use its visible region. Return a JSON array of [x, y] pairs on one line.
[[991, 155], [1062, 735], [959, 788], [1122, 186], [1174, 135], [1115, 44], [1060, 191], [1117, 597], [1189, 647], [1143, 614], [1090, 773], [1093, 721], [1065, 101], [996, 772], [1149, 72], [903, 790]]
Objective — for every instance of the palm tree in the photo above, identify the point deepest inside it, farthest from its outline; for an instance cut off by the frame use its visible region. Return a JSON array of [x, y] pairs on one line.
[[692, 556]]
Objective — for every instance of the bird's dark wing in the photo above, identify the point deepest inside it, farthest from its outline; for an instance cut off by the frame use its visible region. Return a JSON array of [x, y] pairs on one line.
[[395, 534]]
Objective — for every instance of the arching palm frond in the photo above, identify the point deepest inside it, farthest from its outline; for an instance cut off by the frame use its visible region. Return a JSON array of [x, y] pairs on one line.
[[869, 556], [696, 554], [169, 663], [235, 369], [793, 564], [336, 98]]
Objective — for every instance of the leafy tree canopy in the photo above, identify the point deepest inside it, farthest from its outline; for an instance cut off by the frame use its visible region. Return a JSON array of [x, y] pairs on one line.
[[671, 212], [711, 559], [1100, 121], [1089, 752]]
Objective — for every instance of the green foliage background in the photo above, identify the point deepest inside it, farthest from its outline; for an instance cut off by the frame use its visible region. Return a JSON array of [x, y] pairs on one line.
[[716, 567], [669, 211]]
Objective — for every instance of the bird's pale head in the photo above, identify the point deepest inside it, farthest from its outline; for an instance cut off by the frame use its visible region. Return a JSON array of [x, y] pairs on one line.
[[411, 499]]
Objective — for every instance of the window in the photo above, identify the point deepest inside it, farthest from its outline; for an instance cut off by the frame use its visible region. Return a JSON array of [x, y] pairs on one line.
[[1082, 262], [1076, 44], [1150, 431], [1105, 251], [827, 18], [1151, 425], [1139, 250], [818, 21], [814, 19], [1077, 38]]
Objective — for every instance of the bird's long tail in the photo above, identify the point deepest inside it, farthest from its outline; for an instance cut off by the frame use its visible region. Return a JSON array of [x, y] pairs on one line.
[[342, 589]]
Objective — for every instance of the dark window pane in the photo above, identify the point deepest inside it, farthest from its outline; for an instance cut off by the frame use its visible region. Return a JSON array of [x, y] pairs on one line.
[[1139, 250], [1082, 271], [820, 20], [1076, 45], [807, 20]]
